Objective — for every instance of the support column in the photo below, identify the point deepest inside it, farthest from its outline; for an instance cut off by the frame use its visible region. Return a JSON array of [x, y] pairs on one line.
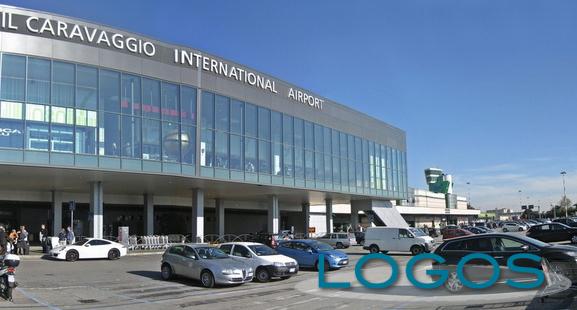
[[329, 215], [306, 217], [148, 214], [56, 212], [219, 204], [354, 216], [273, 215], [197, 219], [96, 209]]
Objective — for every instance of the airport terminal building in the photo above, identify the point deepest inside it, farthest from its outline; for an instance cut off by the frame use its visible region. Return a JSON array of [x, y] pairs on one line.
[[169, 139]]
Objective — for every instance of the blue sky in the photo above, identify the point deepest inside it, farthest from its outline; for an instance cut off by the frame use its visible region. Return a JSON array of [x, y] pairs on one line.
[[486, 90]]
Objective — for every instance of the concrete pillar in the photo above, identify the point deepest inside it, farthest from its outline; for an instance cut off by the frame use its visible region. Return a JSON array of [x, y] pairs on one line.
[[273, 215], [197, 219], [96, 209], [148, 214], [329, 215], [354, 215], [219, 204], [306, 207], [56, 212]]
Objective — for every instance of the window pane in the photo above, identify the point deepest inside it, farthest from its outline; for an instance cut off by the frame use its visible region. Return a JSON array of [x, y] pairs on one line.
[[109, 134], [344, 172], [352, 174], [236, 151], [37, 112], [85, 140], [221, 149], [170, 108], [207, 110], [250, 158], [13, 77], [62, 84], [188, 105], [299, 163], [12, 110], [309, 136], [130, 91], [38, 86], [150, 139], [109, 91], [150, 98], [287, 129], [37, 136], [358, 149], [188, 144], [328, 169], [276, 129], [221, 112], [335, 143], [336, 171], [309, 165], [264, 157], [131, 130], [327, 140], [11, 133], [206, 148], [299, 134], [170, 142], [277, 159], [62, 138], [86, 86], [288, 161], [250, 124], [236, 116], [319, 167], [351, 146], [343, 144], [264, 123], [318, 138]]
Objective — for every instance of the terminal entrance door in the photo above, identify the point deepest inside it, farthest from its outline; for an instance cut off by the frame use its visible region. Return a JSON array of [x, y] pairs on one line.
[[14, 214]]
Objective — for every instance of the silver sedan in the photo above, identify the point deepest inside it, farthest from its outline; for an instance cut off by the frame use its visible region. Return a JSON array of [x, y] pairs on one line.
[[202, 262]]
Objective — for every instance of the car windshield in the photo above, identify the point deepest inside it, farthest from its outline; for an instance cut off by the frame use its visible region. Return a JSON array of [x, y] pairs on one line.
[[210, 253], [321, 246], [417, 232], [262, 250]]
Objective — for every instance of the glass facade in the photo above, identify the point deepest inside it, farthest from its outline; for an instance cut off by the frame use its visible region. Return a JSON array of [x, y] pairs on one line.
[[61, 107]]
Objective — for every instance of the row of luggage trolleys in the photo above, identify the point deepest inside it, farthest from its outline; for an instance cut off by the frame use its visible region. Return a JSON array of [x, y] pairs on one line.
[[153, 242]]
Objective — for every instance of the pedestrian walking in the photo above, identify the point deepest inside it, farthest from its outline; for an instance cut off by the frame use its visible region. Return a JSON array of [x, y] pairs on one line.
[[69, 236], [43, 237], [13, 239], [62, 237], [23, 246]]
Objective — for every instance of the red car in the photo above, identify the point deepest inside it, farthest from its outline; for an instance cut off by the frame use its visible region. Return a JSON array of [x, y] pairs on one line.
[[455, 232]]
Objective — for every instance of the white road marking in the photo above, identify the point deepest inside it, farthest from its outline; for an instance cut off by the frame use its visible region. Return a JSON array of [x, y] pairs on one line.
[[37, 300]]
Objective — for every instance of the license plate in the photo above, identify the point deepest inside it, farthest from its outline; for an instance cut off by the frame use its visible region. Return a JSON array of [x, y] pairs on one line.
[[10, 278], [292, 270]]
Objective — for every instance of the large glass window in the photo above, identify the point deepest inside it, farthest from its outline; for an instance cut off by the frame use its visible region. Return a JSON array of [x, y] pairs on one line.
[[299, 133], [170, 108], [309, 136], [221, 112], [277, 159], [86, 123], [11, 133], [109, 134], [151, 138], [13, 77], [319, 167], [276, 128], [62, 138], [150, 98], [318, 138], [130, 101], [188, 105], [86, 87], [37, 136], [336, 171], [299, 163], [250, 155], [327, 140], [264, 165], [335, 143], [288, 161], [206, 148], [221, 149], [170, 141], [287, 129], [207, 110], [131, 131], [250, 120], [236, 151], [109, 91], [309, 165], [62, 84], [188, 144], [264, 123], [328, 169], [38, 81], [343, 144], [236, 116], [11, 110]]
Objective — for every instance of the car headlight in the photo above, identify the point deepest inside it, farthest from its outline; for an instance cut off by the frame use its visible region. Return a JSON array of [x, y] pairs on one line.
[[277, 264], [250, 269], [227, 272]]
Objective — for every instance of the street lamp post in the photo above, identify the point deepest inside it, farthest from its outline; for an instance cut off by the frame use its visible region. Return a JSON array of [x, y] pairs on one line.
[[563, 173], [469, 192], [520, 199]]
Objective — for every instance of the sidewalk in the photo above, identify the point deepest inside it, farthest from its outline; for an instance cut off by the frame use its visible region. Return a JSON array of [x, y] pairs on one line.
[[36, 253]]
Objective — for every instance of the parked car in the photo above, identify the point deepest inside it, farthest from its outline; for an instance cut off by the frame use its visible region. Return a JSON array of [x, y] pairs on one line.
[[266, 262], [454, 233], [202, 262], [553, 232], [567, 221], [449, 227], [89, 249], [501, 247], [409, 239], [475, 230], [307, 251], [513, 226], [336, 240]]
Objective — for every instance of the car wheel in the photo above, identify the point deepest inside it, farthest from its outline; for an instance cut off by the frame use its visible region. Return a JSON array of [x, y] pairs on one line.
[[262, 275], [166, 272], [339, 245], [520, 228], [327, 266], [505, 229], [113, 254], [374, 249], [71, 256], [453, 284], [416, 249], [207, 279]]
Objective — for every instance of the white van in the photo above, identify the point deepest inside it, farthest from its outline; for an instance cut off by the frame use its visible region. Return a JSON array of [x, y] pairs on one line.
[[409, 239]]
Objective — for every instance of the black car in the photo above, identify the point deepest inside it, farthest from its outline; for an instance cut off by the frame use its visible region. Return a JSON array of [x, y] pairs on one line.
[[561, 258], [567, 221], [553, 232]]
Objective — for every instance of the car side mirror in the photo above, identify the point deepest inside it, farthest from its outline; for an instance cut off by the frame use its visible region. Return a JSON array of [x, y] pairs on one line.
[[411, 236], [525, 248], [87, 245], [310, 251]]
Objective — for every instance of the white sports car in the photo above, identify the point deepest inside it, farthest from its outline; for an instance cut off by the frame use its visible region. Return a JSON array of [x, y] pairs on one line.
[[89, 248]]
